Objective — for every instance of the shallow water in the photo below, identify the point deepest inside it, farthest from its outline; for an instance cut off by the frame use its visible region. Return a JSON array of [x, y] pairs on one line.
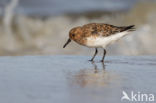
[[54, 7], [68, 79]]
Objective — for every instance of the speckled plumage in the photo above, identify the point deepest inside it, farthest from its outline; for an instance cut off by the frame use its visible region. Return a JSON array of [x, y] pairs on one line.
[[81, 33], [98, 35]]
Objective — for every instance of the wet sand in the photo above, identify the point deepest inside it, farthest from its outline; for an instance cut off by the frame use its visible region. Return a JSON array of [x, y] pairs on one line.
[[73, 79]]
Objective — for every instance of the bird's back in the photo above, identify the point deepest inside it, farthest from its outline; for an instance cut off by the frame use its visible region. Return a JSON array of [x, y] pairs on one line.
[[101, 29]]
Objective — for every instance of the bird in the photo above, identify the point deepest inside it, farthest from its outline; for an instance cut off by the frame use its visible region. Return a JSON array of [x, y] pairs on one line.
[[98, 35]]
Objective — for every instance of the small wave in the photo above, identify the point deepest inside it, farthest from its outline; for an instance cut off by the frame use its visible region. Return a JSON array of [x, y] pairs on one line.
[[36, 35]]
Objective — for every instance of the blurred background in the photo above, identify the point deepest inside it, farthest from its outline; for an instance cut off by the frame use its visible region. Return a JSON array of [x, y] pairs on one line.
[[40, 27]]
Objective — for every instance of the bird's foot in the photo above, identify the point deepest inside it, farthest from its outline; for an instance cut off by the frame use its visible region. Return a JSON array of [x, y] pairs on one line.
[[91, 60], [102, 61]]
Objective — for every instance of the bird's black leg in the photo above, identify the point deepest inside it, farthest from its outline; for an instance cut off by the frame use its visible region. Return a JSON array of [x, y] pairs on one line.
[[96, 51], [104, 53]]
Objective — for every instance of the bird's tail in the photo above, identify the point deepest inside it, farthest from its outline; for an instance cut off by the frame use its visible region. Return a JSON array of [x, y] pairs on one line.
[[128, 28]]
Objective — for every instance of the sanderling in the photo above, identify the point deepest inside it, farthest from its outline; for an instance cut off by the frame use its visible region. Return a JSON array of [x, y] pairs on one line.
[[97, 35]]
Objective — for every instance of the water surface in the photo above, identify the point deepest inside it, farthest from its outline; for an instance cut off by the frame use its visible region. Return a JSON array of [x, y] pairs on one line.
[[68, 79]]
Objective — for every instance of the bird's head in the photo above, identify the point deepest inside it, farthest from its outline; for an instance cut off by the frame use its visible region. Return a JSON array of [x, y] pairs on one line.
[[74, 34]]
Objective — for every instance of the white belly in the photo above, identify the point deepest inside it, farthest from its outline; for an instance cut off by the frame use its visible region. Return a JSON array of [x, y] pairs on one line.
[[102, 42]]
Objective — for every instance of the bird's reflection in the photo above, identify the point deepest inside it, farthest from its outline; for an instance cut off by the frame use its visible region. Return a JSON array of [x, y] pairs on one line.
[[91, 77], [96, 68]]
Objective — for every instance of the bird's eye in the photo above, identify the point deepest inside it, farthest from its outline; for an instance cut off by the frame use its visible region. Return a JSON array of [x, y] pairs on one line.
[[73, 35]]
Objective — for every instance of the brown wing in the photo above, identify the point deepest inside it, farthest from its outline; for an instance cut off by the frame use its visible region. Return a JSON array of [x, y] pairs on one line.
[[105, 29]]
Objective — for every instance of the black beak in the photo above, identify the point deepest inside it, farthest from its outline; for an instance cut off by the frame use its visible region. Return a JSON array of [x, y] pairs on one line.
[[67, 43]]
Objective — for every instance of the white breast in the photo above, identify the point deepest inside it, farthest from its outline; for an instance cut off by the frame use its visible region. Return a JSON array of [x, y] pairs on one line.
[[102, 42]]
